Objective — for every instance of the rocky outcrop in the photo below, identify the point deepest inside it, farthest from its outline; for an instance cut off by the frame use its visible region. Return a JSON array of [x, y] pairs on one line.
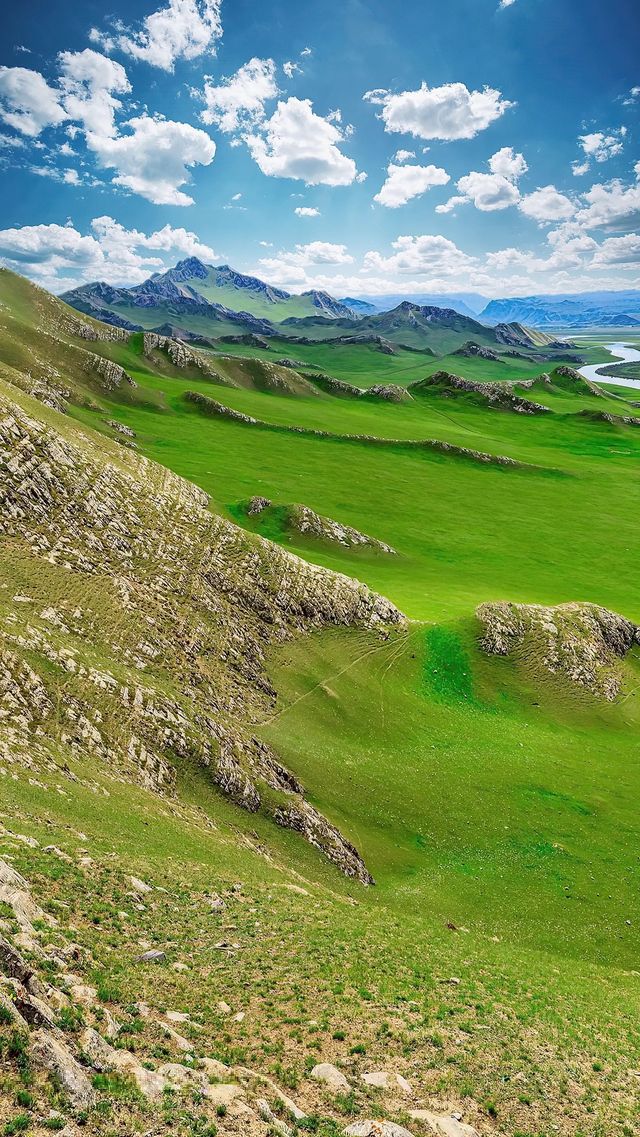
[[179, 354], [213, 408], [582, 643], [499, 395], [111, 374], [185, 586], [612, 419], [471, 350], [301, 519]]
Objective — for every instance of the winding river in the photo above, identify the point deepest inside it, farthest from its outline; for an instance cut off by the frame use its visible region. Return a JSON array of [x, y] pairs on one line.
[[621, 353]]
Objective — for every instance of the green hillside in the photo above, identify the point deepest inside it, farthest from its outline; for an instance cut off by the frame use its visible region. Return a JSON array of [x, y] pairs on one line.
[[208, 745]]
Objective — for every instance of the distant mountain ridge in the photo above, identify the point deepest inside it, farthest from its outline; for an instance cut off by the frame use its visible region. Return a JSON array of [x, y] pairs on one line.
[[571, 311]]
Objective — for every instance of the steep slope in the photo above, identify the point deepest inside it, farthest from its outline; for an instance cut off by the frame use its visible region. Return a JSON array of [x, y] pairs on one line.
[[188, 603]]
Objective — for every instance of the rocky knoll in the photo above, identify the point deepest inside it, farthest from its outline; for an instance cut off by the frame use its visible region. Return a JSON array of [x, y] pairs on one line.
[[583, 643], [153, 616], [500, 395], [301, 519]]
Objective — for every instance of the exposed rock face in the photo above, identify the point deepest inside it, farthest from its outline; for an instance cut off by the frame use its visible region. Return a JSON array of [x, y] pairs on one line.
[[111, 374], [212, 407], [577, 381], [295, 363], [180, 355], [606, 416], [301, 519], [582, 642], [192, 597], [500, 395], [473, 350]]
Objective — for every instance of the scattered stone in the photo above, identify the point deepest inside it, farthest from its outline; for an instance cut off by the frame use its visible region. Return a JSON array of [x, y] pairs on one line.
[[267, 1114], [154, 955], [140, 886], [54, 1056], [444, 1125], [376, 1129], [330, 1075], [383, 1080]]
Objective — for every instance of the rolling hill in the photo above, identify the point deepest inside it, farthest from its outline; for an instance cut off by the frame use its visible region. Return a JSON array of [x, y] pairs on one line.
[[267, 639]]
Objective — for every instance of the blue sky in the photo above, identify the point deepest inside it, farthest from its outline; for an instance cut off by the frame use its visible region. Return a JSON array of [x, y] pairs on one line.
[[487, 145]]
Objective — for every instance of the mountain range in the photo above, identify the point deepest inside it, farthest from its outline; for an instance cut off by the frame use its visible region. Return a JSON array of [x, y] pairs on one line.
[[580, 310], [216, 303]]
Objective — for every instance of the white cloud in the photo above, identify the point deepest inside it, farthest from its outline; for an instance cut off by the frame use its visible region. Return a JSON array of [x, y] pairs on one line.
[[547, 204], [404, 155], [289, 267], [494, 191], [27, 102], [613, 206], [59, 257], [506, 3], [448, 112], [452, 204], [297, 143], [632, 97], [508, 164], [184, 29], [89, 81], [238, 102], [578, 169], [406, 182], [488, 192], [306, 211], [619, 250], [601, 146], [290, 69], [155, 158], [428, 255]]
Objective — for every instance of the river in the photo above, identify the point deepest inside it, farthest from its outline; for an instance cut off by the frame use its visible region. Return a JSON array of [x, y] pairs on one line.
[[621, 353]]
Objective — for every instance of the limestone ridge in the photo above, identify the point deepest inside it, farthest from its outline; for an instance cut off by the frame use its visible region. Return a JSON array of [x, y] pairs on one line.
[[584, 643], [301, 519], [159, 641], [500, 395]]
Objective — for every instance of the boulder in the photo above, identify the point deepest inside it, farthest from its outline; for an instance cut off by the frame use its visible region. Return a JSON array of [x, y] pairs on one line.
[[330, 1075], [51, 1054], [383, 1080], [444, 1125]]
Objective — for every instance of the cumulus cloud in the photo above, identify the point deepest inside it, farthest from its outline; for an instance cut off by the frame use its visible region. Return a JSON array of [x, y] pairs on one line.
[[508, 164], [184, 29], [488, 192], [238, 102], [297, 143], [27, 102], [406, 182], [59, 256], [446, 113], [613, 206], [547, 204], [619, 251], [89, 82], [424, 255], [601, 146], [494, 191], [155, 158], [404, 155], [306, 211]]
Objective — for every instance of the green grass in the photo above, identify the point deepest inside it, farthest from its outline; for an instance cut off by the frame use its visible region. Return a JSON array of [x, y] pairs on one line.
[[496, 806]]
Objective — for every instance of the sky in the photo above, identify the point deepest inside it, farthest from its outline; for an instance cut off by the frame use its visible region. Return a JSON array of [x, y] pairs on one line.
[[358, 146]]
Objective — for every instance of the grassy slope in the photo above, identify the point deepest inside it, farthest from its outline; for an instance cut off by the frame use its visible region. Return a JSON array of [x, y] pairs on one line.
[[480, 797]]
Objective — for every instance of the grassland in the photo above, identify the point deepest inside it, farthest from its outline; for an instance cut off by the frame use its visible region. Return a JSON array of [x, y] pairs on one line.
[[495, 961]]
